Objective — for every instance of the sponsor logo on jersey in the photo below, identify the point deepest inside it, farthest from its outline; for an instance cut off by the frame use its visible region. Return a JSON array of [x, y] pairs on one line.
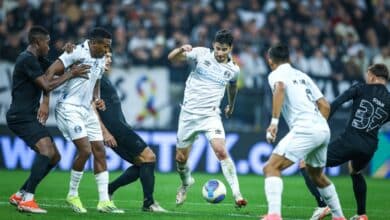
[[77, 129]]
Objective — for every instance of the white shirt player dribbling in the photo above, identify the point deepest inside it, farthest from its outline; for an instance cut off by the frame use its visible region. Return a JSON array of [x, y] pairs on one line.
[[309, 131], [74, 113], [205, 88]]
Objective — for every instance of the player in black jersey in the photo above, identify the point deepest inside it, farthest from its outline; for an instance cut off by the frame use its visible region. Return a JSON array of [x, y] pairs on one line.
[[119, 135], [26, 116], [358, 143]]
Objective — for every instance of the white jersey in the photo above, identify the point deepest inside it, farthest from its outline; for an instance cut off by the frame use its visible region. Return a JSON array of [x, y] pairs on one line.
[[79, 91], [205, 86], [299, 106]]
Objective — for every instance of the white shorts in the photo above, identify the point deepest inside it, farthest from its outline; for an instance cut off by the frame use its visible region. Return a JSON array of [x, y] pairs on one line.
[[310, 144], [76, 122], [190, 125]]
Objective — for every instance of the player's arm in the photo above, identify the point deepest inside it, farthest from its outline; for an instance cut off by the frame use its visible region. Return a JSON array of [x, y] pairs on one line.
[[98, 102], [179, 54], [346, 96], [277, 102], [108, 138], [43, 111], [323, 107], [231, 93], [48, 81]]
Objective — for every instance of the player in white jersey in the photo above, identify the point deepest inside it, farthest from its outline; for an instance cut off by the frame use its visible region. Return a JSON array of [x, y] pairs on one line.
[[305, 110], [77, 119], [214, 71]]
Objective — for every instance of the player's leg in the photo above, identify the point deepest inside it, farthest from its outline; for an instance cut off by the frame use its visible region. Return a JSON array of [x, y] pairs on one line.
[[337, 154], [274, 184], [186, 135], [359, 185], [228, 167], [95, 137], [315, 161]]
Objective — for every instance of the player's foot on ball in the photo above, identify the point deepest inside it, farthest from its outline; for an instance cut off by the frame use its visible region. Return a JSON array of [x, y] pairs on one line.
[[30, 206], [359, 217], [271, 217], [14, 199], [108, 207], [239, 201], [75, 204], [155, 207], [182, 192], [320, 213]]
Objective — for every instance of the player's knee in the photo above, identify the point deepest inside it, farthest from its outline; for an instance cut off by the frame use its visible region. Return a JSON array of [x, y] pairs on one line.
[[56, 158], [149, 155], [180, 157], [221, 154], [270, 170], [85, 152]]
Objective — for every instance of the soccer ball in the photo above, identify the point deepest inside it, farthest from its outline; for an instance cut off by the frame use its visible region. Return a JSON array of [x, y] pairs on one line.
[[214, 191]]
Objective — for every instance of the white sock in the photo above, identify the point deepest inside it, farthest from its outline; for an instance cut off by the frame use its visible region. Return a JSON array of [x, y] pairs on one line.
[[28, 196], [20, 193], [332, 200], [102, 184], [184, 172], [75, 178], [229, 171], [273, 191]]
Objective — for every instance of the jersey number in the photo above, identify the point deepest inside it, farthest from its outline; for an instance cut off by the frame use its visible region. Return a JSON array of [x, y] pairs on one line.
[[368, 117]]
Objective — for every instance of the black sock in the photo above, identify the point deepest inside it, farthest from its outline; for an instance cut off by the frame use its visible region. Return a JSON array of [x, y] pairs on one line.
[[147, 181], [312, 188], [360, 190], [130, 175], [37, 173], [24, 186]]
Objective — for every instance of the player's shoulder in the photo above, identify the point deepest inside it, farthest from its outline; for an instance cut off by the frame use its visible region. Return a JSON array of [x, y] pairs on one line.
[[25, 57]]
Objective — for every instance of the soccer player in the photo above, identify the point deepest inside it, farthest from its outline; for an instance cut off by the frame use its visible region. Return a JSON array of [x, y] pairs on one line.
[[305, 111], [119, 135], [205, 87], [358, 143], [26, 116], [77, 119]]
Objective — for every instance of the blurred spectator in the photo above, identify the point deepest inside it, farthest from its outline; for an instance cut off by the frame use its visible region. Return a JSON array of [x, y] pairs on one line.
[[319, 65], [12, 47], [253, 67]]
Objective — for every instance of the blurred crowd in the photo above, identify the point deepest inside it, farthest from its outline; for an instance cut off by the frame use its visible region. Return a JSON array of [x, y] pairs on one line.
[[336, 39], [328, 38]]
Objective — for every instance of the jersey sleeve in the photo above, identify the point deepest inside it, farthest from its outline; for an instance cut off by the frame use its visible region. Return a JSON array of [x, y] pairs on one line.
[[315, 91], [236, 73], [346, 96], [275, 77], [32, 68], [70, 58], [196, 52]]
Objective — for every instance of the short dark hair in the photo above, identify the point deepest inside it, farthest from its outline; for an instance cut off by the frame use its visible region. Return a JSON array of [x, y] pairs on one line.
[[99, 33], [36, 32], [224, 37], [379, 70], [279, 53]]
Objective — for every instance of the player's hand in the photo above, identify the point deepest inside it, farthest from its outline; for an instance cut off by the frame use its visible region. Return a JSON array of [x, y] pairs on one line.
[[186, 48], [69, 47], [43, 113], [228, 111], [109, 140], [81, 70], [271, 133], [100, 104]]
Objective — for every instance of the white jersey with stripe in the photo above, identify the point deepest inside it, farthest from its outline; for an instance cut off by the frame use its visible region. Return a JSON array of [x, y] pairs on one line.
[[205, 86], [79, 91], [301, 93]]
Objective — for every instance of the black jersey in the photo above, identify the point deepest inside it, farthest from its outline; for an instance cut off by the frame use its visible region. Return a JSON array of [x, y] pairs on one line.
[[112, 117], [370, 110], [26, 94]]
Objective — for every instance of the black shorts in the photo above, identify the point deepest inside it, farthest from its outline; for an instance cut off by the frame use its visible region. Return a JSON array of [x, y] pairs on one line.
[[129, 146], [343, 150], [30, 132]]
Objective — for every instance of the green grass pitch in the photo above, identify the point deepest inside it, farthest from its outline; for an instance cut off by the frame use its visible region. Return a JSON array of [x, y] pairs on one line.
[[297, 201]]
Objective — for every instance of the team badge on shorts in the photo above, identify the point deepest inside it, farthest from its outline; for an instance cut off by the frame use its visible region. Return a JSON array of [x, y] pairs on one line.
[[218, 131], [77, 129], [227, 74]]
